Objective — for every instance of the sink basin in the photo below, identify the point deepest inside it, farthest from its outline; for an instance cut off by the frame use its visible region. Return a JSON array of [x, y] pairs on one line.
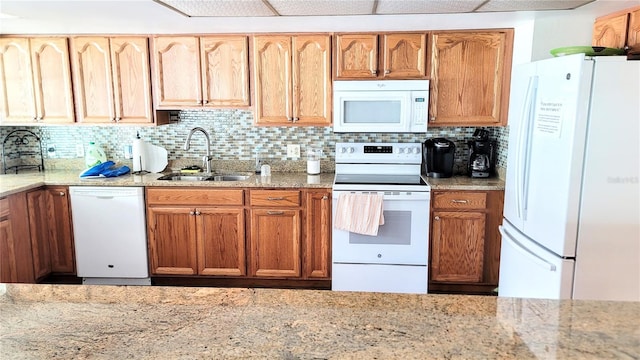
[[203, 177], [229, 177]]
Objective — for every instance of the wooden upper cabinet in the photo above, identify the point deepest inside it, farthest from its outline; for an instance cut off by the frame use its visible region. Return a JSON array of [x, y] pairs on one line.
[[619, 30], [209, 71], [36, 81], [177, 71], [293, 79], [470, 76], [395, 56], [633, 30], [111, 80], [131, 79], [272, 73], [356, 56], [312, 80], [225, 70], [611, 31], [403, 56]]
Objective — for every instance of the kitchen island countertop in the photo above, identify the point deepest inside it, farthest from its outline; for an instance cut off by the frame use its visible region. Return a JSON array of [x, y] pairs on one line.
[[14, 183], [143, 322]]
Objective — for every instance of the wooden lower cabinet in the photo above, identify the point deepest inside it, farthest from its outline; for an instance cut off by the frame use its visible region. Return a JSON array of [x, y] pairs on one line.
[[16, 262], [51, 231], [275, 235], [275, 243], [465, 243], [188, 238], [317, 236]]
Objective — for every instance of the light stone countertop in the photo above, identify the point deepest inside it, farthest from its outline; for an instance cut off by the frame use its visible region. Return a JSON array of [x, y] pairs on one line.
[[154, 322], [14, 183]]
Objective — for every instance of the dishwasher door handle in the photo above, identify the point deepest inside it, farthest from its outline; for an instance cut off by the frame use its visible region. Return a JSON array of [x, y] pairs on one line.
[[104, 197]]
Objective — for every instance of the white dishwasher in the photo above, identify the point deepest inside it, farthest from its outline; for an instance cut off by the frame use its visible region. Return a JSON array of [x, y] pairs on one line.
[[109, 229]]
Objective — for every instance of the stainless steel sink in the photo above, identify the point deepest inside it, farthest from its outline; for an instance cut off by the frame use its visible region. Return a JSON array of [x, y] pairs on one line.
[[203, 177]]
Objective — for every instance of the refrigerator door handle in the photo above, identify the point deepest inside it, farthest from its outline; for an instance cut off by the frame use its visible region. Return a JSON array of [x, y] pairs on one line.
[[524, 251], [524, 154]]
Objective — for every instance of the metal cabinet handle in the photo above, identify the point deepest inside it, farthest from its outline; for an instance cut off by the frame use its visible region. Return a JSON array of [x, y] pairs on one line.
[[270, 198], [295, 119], [62, 193], [387, 72], [374, 72], [433, 118], [205, 101], [39, 118], [460, 201], [197, 212], [436, 218], [192, 212], [325, 197], [290, 119], [275, 212], [35, 119]]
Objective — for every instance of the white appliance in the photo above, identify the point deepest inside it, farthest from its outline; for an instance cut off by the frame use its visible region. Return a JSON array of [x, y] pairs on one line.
[[397, 106], [109, 231], [395, 260], [572, 200]]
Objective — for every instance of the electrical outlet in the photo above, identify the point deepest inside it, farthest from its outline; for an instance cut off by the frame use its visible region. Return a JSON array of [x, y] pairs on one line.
[[79, 150], [293, 151]]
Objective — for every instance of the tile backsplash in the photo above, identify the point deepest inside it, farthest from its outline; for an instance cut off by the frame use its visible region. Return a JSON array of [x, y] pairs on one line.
[[234, 138]]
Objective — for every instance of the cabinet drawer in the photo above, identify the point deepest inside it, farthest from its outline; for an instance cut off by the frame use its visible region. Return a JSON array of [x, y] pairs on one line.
[[194, 197], [274, 198], [460, 200]]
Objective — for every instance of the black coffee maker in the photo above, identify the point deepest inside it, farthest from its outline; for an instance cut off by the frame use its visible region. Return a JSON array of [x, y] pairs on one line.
[[482, 155], [438, 157]]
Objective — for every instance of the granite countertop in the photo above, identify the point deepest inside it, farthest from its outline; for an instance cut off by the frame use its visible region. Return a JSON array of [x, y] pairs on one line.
[[144, 322], [14, 183]]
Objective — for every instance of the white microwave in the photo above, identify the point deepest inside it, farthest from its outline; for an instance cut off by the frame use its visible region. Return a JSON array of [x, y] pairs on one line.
[[386, 106]]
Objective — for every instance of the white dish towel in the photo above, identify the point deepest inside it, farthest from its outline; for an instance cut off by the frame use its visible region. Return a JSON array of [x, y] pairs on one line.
[[359, 213]]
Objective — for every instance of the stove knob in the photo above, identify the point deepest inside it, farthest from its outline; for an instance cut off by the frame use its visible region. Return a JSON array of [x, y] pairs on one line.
[[401, 150], [352, 150], [343, 150], [416, 150]]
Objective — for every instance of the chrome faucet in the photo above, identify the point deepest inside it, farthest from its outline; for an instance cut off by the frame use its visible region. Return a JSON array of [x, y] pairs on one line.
[[206, 160]]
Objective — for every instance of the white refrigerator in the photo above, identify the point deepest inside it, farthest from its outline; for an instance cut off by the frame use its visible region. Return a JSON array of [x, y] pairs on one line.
[[572, 201]]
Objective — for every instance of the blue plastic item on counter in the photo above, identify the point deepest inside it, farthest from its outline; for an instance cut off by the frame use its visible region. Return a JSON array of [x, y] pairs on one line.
[[105, 169]]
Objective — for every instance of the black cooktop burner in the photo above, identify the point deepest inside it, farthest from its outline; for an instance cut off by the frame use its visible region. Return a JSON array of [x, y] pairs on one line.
[[379, 179]]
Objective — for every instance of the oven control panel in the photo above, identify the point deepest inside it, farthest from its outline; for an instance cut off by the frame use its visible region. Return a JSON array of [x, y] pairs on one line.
[[405, 153]]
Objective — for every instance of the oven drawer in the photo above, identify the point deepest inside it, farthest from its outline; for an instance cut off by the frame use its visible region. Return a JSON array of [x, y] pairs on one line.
[[459, 200], [279, 198]]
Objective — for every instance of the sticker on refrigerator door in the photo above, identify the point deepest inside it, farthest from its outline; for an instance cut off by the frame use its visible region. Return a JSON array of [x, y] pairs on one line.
[[548, 119]]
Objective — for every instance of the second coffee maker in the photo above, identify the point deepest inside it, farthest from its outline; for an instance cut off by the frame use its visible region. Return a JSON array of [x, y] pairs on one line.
[[438, 156]]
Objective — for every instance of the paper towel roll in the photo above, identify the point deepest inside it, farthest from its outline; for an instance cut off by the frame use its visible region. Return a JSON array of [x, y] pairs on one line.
[[139, 151]]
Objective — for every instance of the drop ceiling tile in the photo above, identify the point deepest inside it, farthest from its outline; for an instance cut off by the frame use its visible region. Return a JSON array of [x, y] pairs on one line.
[[197, 8], [531, 5], [322, 7], [426, 6]]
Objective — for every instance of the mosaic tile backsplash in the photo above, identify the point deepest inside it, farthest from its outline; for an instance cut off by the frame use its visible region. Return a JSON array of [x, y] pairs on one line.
[[235, 139]]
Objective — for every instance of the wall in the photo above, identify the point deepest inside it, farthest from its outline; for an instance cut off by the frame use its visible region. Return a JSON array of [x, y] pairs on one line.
[[234, 139]]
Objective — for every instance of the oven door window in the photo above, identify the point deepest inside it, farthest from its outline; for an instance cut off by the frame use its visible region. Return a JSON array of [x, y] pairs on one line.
[[395, 231]]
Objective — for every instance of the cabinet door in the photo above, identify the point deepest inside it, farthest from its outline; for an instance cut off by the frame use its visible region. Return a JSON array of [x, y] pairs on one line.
[[457, 246], [177, 72], [611, 31], [633, 30], [52, 80], [470, 74], [272, 70], [16, 261], [17, 104], [131, 80], [39, 213], [312, 80], [225, 70], [61, 246], [275, 243], [404, 56], [172, 241], [91, 61], [356, 56], [317, 244], [221, 248]]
